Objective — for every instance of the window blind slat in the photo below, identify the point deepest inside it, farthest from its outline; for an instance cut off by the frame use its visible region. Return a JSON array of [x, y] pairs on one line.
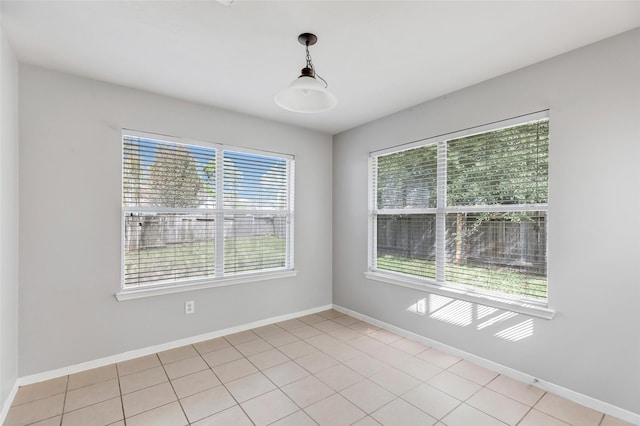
[[407, 178], [506, 166]]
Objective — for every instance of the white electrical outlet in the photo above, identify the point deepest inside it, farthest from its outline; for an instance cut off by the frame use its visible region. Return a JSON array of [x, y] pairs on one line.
[[189, 307]]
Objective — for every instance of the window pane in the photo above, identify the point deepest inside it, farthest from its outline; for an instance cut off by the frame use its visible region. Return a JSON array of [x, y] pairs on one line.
[[253, 243], [165, 247], [254, 181], [164, 174], [498, 252], [406, 244], [506, 166], [407, 179]]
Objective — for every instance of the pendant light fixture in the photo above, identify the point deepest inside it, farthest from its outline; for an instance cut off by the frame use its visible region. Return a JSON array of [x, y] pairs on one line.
[[307, 93]]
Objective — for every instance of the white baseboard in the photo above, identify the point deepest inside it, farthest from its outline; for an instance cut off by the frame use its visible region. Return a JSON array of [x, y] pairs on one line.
[[64, 371], [569, 394], [7, 403]]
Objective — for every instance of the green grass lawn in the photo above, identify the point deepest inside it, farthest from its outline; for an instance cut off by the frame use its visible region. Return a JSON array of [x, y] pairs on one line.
[[249, 254], [173, 262], [494, 279]]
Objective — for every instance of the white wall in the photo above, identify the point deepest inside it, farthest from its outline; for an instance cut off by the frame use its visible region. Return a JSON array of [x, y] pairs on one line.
[[8, 220], [592, 346], [70, 204]]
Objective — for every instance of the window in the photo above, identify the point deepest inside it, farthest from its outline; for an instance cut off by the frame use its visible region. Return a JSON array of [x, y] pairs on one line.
[[196, 213], [465, 212]]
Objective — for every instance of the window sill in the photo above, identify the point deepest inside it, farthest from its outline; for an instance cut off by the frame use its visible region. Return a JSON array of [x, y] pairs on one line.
[[137, 293], [518, 306]]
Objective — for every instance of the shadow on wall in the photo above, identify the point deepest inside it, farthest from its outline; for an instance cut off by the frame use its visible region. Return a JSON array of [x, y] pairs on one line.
[[465, 314]]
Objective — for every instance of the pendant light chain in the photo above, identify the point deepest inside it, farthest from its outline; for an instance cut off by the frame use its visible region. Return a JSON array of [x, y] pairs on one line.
[[310, 65], [309, 62]]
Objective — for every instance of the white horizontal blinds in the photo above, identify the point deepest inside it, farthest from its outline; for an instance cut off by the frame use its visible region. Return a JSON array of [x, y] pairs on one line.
[[468, 211], [407, 179], [161, 248], [164, 174], [194, 212], [498, 252], [406, 244], [254, 181], [257, 216], [169, 196], [291, 174], [372, 249], [405, 185], [502, 249], [254, 242], [502, 167]]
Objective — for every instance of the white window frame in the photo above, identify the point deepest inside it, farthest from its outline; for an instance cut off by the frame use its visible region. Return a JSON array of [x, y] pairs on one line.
[[219, 280], [439, 286]]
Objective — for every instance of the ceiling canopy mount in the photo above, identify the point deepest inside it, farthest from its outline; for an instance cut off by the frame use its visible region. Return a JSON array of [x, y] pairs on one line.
[[307, 39]]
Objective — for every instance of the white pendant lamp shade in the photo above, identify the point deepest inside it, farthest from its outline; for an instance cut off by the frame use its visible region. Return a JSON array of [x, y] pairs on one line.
[[306, 94]]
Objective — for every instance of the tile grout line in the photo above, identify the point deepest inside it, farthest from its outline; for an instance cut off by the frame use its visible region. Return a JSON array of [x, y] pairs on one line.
[[549, 414], [470, 396], [147, 387], [310, 374], [268, 378], [513, 399], [64, 400], [124, 418], [218, 378], [530, 406], [239, 404], [229, 392], [525, 415], [391, 365], [390, 344], [293, 360], [173, 388], [344, 365]]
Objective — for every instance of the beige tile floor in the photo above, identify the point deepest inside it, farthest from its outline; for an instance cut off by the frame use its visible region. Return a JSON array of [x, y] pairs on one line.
[[321, 369]]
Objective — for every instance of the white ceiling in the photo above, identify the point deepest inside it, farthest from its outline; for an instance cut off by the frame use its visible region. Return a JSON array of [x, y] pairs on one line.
[[379, 57]]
